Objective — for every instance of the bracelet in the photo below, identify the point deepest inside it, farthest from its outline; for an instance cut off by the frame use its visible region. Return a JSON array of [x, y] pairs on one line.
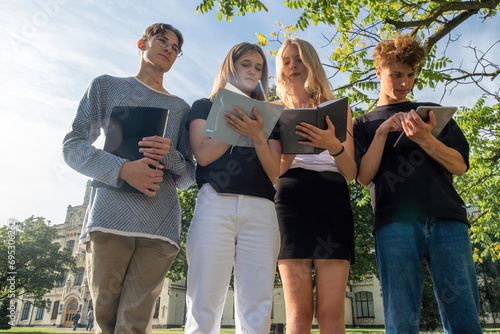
[[340, 152]]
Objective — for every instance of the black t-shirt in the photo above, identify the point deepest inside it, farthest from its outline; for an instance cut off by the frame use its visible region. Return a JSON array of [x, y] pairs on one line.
[[238, 171], [409, 183]]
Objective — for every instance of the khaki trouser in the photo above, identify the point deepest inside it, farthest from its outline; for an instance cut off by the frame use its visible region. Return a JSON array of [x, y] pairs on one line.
[[125, 276]]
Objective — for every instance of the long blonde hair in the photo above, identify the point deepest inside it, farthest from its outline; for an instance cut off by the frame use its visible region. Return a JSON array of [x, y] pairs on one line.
[[227, 71], [316, 84]]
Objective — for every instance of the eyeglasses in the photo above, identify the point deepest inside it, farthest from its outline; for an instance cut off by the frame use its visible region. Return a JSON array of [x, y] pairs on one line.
[[164, 43]]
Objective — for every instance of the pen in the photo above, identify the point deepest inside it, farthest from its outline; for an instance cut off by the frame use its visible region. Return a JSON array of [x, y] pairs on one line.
[[262, 88]]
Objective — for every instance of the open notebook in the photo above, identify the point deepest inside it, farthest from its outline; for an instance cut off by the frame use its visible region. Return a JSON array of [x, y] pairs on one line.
[[290, 118], [216, 127]]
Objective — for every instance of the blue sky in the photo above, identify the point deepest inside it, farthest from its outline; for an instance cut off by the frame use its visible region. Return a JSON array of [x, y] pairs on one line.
[[51, 49]]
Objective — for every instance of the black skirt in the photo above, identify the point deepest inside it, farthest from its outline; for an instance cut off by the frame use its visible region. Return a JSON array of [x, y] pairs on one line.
[[315, 216]]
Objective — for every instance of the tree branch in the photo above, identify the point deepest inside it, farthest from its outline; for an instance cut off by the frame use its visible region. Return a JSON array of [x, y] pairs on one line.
[[445, 6], [445, 29], [470, 75]]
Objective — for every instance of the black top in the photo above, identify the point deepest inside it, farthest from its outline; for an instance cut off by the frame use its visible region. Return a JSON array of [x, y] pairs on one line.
[[238, 171], [409, 183]]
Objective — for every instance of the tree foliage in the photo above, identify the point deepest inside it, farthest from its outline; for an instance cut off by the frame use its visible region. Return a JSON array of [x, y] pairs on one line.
[[488, 274], [360, 25], [363, 238], [480, 186], [187, 200], [5, 320], [357, 26], [32, 263], [226, 8]]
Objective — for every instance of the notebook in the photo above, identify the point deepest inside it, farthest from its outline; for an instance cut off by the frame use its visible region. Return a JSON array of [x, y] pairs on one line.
[[290, 118], [127, 126], [216, 127], [443, 116]]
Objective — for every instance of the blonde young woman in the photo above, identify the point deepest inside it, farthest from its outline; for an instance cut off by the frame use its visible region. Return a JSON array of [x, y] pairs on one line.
[[312, 201], [235, 221]]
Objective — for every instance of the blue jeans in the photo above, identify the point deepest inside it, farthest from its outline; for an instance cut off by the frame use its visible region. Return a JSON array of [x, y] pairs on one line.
[[90, 324], [400, 248]]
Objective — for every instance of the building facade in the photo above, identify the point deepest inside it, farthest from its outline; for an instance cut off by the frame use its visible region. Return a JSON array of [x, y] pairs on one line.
[[363, 306], [71, 294]]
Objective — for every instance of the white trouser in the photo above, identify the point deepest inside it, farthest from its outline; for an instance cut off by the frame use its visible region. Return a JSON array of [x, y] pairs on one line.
[[229, 230]]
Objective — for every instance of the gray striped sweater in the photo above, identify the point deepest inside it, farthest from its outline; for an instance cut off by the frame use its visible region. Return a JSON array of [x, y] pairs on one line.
[[129, 214]]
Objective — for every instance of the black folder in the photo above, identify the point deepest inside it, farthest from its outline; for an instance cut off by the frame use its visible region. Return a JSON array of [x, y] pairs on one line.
[[127, 126], [290, 118]]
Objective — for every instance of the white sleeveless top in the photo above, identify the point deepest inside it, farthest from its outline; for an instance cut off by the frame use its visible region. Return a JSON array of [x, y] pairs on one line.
[[317, 162]]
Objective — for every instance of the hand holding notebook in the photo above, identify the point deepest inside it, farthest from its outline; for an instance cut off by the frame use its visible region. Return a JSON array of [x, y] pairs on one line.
[[127, 127], [229, 97], [336, 110]]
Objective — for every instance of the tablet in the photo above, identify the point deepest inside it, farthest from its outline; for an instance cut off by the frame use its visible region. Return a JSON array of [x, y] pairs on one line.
[[443, 116]]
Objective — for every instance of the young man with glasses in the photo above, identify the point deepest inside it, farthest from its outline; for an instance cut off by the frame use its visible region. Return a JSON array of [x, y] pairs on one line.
[[132, 238]]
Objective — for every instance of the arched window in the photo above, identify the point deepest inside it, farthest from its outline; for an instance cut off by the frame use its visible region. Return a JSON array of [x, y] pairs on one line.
[[364, 305], [26, 311], [157, 309], [55, 310], [79, 276]]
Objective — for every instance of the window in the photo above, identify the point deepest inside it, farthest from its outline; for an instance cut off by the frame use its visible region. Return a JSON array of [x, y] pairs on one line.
[[364, 305], [55, 309], [64, 277], [39, 313], [72, 306], [26, 311], [157, 309], [71, 244], [79, 276]]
